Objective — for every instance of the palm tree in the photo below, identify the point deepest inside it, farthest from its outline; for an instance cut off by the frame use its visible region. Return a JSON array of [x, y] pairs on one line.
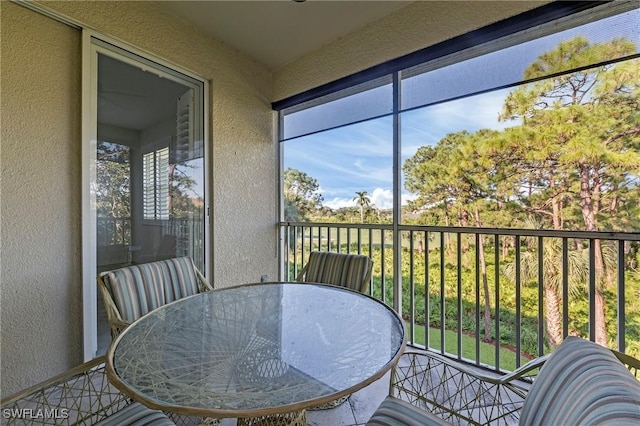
[[552, 273], [362, 199]]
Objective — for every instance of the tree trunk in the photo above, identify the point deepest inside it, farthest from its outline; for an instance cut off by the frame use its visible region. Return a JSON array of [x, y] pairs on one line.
[[589, 206], [601, 328], [555, 206], [552, 299], [447, 223], [485, 283], [553, 318]]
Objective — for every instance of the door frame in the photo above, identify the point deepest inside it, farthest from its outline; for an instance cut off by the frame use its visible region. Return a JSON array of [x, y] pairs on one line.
[[92, 44]]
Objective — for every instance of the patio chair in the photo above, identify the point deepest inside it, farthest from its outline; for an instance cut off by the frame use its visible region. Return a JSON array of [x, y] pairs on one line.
[[352, 271], [82, 396], [581, 382], [132, 291]]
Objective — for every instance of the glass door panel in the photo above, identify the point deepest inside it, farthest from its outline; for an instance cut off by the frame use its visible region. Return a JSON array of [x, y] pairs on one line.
[[147, 168], [149, 184]]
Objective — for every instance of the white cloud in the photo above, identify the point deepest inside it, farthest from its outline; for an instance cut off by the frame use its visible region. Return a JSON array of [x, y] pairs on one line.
[[382, 198], [339, 202]]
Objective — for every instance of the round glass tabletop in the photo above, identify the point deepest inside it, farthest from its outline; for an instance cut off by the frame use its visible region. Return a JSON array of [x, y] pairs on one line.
[[256, 349]]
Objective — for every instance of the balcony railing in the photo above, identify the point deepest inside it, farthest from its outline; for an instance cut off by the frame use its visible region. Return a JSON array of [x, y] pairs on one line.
[[113, 230], [494, 297]]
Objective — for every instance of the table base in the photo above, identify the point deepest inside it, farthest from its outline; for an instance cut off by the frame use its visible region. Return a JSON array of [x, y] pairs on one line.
[[331, 404], [296, 418]]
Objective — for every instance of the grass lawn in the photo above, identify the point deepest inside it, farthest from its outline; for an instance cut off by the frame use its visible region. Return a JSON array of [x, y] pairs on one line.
[[487, 350], [346, 234]]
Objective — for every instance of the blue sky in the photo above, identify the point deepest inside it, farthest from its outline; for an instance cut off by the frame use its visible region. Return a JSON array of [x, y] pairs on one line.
[[358, 157]]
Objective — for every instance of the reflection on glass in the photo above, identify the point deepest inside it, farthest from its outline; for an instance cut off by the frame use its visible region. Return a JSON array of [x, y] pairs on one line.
[[150, 167], [113, 200]]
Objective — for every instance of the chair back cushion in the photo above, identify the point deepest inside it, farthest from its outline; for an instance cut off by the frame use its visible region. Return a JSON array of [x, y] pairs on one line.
[[396, 412], [139, 289], [136, 414], [346, 270], [582, 383]]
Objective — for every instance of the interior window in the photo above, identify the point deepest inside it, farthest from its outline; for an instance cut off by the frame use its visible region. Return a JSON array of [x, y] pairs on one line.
[[155, 184]]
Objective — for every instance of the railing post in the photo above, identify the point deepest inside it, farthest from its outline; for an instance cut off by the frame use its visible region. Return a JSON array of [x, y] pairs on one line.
[[592, 290], [397, 190], [496, 257], [518, 269], [477, 277], [540, 296], [427, 299], [621, 299], [565, 288]]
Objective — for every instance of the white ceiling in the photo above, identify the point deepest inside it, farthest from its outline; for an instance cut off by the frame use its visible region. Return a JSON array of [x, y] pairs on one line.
[[276, 32], [272, 32]]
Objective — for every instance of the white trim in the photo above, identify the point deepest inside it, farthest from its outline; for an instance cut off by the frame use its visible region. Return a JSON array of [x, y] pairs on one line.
[[208, 180], [89, 140]]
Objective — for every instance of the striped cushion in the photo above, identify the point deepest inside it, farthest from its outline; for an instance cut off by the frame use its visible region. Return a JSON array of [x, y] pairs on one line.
[[346, 270], [582, 383], [136, 414], [395, 412], [139, 289]]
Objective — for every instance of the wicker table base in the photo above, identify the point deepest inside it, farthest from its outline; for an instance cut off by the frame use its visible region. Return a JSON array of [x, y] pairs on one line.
[[331, 404], [296, 418]]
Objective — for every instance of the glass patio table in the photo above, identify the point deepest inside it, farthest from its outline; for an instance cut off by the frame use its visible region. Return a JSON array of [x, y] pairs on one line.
[[262, 353]]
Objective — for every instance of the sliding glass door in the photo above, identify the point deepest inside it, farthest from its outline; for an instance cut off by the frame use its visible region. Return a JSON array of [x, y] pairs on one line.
[[146, 195]]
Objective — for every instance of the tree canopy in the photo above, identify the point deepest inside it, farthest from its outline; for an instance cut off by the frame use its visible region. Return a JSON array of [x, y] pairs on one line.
[[301, 196], [571, 160]]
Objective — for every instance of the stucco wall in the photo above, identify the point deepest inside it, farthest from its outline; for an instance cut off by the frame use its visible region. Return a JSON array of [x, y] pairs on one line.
[[41, 319], [41, 299], [416, 26]]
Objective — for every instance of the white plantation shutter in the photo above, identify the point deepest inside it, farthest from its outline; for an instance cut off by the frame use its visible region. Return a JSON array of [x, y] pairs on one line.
[[188, 142], [184, 128], [155, 181]]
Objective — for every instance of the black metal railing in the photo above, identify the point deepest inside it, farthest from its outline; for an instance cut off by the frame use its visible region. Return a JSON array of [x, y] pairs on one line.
[[113, 230], [495, 297]]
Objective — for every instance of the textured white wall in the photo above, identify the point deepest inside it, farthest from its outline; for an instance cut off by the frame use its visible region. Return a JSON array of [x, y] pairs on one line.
[[41, 318], [416, 26], [41, 291]]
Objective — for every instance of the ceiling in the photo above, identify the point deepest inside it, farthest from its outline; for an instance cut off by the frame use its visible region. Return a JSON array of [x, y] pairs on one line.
[[272, 32], [276, 32]]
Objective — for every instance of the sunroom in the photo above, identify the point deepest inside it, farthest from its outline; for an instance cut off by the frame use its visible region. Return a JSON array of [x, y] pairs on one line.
[[485, 155]]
